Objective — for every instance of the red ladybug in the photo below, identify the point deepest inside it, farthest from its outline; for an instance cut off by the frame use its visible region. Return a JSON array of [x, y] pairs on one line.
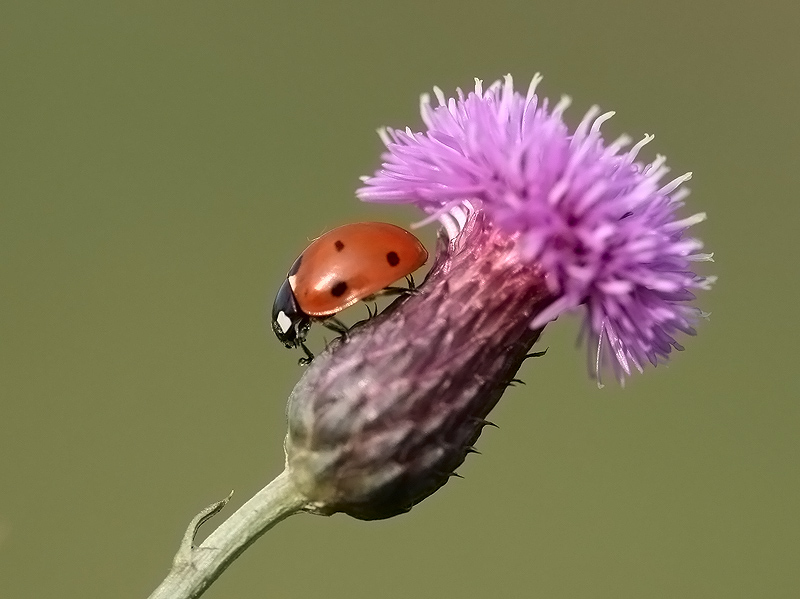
[[345, 265]]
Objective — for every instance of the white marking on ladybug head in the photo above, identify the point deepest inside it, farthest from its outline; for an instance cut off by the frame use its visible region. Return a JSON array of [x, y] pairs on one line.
[[284, 322]]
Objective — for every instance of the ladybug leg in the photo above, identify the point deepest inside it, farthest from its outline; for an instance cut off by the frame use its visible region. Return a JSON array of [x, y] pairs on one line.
[[309, 356], [397, 291], [410, 280], [336, 325]]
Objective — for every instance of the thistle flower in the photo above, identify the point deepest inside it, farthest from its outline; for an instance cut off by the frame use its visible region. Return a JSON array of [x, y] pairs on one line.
[[537, 220], [602, 226]]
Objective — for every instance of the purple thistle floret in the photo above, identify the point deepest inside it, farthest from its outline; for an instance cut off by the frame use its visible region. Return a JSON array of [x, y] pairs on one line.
[[602, 226]]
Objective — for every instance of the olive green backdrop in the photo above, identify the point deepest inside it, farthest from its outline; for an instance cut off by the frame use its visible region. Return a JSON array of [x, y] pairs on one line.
[[161, 165]]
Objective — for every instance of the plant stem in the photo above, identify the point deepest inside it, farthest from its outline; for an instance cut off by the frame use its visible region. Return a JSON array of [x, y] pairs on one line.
[[195, 568]]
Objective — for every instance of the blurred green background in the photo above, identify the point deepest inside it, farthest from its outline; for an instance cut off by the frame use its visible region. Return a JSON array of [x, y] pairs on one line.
[[161, 165]]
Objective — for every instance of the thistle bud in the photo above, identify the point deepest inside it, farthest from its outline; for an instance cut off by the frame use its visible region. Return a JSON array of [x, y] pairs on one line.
[[382, 418]]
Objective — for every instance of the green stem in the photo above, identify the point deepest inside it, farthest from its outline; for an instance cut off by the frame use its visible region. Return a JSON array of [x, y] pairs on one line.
[[195, 568]]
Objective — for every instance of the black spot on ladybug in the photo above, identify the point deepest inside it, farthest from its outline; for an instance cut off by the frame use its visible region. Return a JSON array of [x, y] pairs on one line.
[[339, 245], [339, 289], [393, 259]]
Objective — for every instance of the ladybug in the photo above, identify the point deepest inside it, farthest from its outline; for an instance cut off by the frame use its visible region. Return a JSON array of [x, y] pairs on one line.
[[348, 264]]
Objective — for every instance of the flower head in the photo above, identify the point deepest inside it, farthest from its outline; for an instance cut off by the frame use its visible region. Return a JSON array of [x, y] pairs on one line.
[[537, 220], [603, 227]]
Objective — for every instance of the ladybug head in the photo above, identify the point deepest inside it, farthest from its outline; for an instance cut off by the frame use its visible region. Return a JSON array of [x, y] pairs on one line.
[[289, 322]]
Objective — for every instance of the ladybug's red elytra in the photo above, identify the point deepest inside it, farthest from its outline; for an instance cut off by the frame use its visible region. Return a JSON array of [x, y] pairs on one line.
[[338, 269]]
